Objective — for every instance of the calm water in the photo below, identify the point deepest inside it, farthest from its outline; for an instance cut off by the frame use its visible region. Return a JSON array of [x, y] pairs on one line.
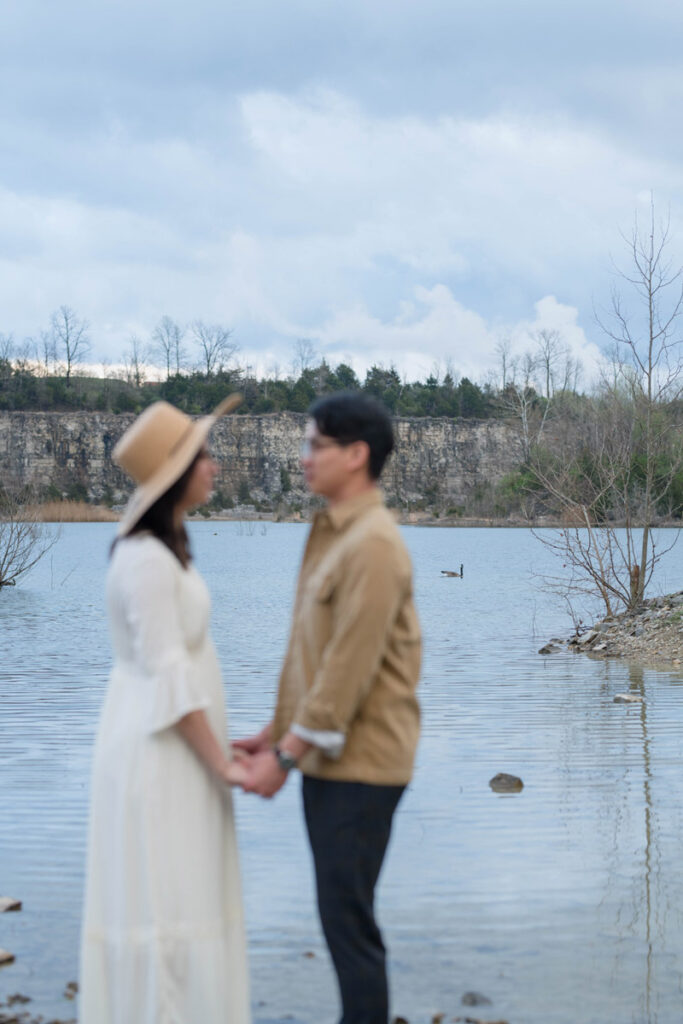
[[563, 904]]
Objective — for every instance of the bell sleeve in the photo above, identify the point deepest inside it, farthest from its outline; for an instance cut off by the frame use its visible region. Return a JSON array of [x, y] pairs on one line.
[[172, 688]]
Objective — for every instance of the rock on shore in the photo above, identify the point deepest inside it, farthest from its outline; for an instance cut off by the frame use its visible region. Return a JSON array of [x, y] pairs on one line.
[[653, 634]]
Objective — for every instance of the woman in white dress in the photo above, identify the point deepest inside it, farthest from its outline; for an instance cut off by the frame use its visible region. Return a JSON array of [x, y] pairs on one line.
[[163, 933]]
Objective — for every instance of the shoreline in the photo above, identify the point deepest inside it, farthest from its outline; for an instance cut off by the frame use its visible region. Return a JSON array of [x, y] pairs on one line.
[[652, 635], [83, 512]]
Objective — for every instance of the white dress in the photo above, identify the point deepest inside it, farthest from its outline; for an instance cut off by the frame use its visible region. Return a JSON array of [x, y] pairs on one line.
[[163, 933]]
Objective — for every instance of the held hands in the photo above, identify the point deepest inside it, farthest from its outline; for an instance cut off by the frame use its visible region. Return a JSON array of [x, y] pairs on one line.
[[264, 774], [260, 770], [253, 744], [255, 773], [234, 773]]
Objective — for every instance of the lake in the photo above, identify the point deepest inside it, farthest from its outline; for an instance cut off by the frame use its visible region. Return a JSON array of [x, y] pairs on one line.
[[561, 904]]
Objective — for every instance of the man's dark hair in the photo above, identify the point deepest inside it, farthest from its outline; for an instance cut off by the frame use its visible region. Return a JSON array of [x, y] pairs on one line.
[[348, 416]]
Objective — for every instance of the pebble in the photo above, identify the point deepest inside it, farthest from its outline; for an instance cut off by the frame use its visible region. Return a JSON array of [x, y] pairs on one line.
[[504, 783]]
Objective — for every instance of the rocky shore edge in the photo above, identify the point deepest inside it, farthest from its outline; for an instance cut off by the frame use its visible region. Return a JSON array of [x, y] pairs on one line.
[[652, 634], [10, 1016]]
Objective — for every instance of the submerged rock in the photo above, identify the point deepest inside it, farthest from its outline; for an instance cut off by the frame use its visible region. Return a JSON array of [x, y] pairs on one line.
[[627, 698], [475, 999], [7, 903], [6, 957], [472, 1020], [504, 783]]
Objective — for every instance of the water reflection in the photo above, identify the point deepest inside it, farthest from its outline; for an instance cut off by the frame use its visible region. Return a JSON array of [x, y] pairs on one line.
[[561, 903]]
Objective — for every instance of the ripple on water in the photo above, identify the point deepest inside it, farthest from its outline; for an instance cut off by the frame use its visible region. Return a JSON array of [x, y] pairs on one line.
[[561, 902]]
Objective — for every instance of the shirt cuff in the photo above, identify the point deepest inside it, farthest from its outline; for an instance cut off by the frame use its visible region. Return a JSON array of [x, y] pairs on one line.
[[331, 743]]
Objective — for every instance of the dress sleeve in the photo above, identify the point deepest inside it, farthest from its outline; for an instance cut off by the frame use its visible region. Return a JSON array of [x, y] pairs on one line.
[[154, 619]]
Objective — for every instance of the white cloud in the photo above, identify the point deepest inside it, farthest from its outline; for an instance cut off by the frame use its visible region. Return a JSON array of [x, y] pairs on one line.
[[390, 237], [432, 327], [555, 316]]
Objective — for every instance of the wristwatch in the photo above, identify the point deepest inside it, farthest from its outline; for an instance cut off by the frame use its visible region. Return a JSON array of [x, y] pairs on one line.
[[285, 760]]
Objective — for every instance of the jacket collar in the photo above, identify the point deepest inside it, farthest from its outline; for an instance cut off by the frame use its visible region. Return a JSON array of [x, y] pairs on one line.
[[341, 515]]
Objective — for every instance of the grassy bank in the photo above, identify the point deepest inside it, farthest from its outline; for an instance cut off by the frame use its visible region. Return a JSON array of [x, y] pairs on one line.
[[72, 512]]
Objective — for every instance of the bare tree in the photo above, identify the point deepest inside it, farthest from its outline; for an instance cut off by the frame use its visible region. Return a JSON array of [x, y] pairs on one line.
[[6, 348], [549, 352], [611, 481], [134, 359], [167, 339], [23, 539], [535, 385], [215, 347], [304, 356], [520, 401], [25, 355], [557, 371], [46, 351], [506, 361], [70, 336]]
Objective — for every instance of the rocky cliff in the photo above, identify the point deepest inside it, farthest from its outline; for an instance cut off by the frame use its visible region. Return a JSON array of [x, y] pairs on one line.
[[438, 462]]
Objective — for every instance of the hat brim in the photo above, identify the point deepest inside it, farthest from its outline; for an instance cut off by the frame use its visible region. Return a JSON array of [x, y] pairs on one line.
[[146, 494]]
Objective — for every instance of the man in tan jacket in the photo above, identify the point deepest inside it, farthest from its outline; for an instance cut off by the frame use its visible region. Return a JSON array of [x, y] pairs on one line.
[[346, 711]]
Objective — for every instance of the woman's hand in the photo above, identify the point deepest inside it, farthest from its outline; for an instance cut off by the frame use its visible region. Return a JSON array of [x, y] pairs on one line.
[[234, 773], [195, 729]]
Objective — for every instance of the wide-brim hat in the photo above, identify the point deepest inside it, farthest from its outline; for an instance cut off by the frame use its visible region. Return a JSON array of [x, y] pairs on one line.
[[158, 448]]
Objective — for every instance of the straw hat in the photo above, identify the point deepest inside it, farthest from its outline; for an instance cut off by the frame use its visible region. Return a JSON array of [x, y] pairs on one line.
[[158, 448]]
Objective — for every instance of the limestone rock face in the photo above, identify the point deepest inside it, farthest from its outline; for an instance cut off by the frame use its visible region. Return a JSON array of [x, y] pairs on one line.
[[439, 460]]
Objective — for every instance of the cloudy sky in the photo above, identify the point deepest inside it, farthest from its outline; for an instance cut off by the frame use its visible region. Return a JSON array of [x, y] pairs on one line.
[[399, 181]]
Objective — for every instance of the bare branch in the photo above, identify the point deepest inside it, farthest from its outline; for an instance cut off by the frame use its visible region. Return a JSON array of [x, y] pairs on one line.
[[215, 346], [70, 338], [23, 539]]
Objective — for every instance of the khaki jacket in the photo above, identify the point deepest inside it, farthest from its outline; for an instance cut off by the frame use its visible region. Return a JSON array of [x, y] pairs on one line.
[[353, 659]]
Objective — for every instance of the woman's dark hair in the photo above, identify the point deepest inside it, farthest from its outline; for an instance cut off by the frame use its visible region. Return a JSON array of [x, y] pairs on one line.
[[348, 416], [159, 519]]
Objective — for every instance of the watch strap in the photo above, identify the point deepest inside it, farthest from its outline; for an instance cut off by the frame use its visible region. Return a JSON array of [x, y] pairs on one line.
[[285, 760]]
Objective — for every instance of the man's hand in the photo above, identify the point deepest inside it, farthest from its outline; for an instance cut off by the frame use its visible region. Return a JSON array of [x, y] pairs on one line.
[[254, 744], [263, 774]]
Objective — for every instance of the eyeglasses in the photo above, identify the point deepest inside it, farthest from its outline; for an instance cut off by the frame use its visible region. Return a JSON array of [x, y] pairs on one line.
[[313, 445]]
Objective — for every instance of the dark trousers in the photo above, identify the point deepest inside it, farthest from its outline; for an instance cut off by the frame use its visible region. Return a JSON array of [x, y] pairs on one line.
[[349, 824]]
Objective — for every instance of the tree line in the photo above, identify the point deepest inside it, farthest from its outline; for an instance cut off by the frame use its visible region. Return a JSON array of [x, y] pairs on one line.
[[199, 363]]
